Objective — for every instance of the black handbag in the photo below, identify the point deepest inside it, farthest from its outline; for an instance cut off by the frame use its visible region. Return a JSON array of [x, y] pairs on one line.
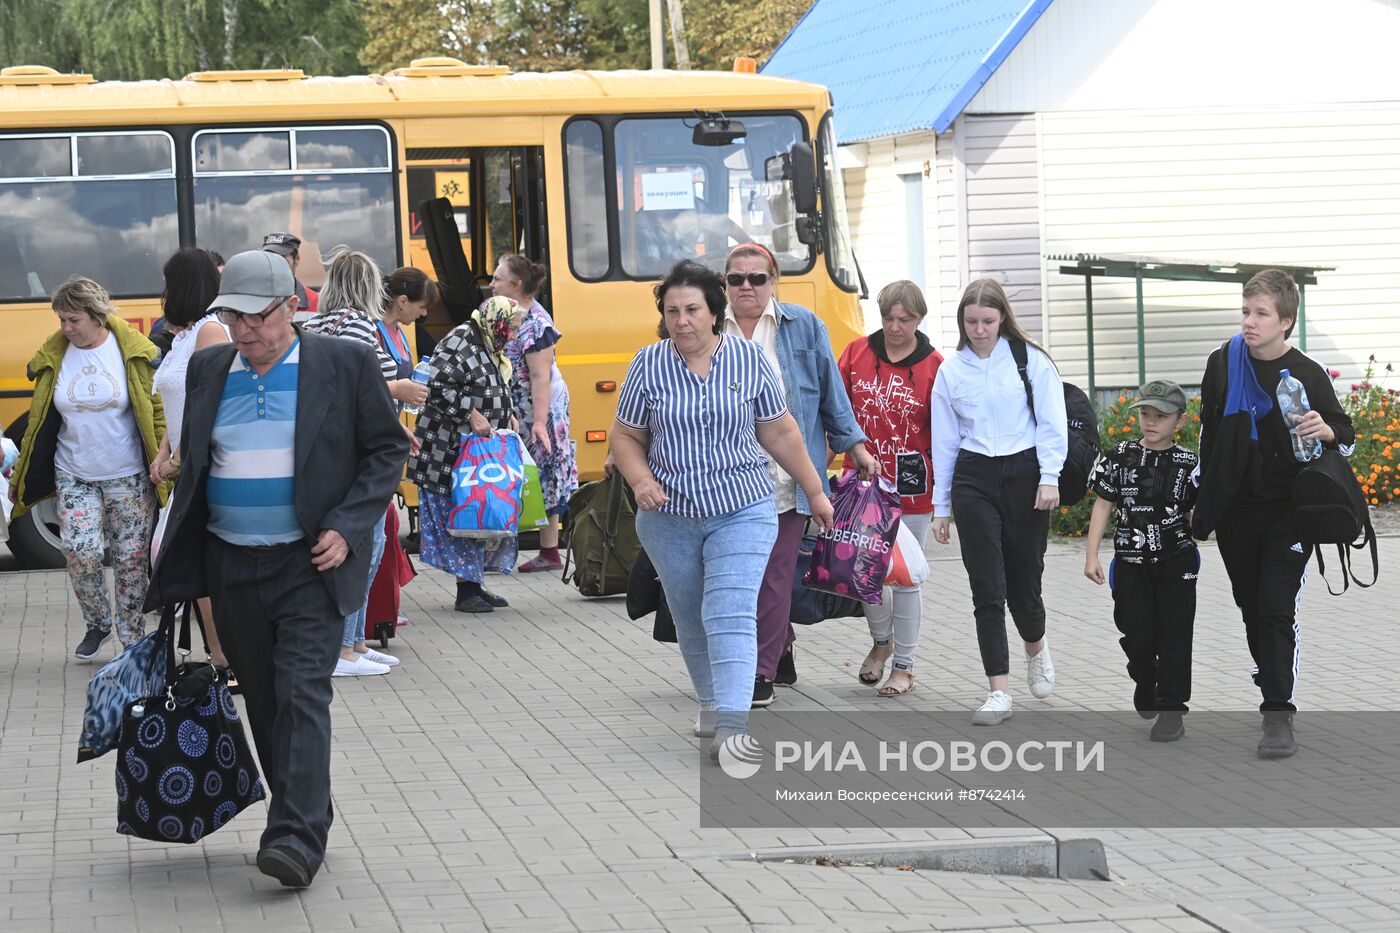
[[183, 765], [812, 606]]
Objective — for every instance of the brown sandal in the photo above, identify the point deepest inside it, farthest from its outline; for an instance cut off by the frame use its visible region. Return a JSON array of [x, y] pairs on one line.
[[872, 672]]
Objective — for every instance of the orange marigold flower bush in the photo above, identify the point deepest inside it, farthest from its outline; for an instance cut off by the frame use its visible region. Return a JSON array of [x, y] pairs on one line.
[[1375, 412]]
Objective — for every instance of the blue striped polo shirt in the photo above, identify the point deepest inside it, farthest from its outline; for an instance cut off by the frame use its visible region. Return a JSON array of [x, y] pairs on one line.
[[251, 459], [704, 449]]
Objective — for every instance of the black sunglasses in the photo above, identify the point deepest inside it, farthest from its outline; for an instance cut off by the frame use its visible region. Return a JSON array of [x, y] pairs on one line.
[[756, 279]]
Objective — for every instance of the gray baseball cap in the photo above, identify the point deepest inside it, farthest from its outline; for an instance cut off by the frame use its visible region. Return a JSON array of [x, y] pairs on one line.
[[1163, 395], [253, 280]]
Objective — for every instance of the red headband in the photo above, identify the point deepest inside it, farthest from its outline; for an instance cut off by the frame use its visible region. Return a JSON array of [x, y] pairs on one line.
[[758, 246]]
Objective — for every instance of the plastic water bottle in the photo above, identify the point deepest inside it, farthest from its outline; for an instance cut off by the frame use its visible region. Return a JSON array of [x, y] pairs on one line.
[[420, 376], [1293, 405]]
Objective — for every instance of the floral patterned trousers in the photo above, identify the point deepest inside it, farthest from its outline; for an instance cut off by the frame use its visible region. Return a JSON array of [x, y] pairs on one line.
[[113, 515]]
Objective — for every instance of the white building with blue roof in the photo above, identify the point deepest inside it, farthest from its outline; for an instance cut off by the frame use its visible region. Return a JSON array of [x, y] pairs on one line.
[[981, 136]]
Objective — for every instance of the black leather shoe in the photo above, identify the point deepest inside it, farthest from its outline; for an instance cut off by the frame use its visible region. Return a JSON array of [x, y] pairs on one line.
[[286, 865], [1277, 741], [762, 691], [1169, 727], [787, 670]]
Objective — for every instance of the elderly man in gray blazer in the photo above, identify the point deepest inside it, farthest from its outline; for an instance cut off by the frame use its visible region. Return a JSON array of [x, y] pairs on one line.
[[290, 448]]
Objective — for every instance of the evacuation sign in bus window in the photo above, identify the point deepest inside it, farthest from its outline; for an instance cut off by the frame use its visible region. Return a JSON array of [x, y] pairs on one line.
[[668, 191]]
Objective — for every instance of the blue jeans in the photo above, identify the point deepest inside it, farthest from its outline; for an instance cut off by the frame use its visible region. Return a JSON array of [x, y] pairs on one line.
[[355, 621], [711, 569]]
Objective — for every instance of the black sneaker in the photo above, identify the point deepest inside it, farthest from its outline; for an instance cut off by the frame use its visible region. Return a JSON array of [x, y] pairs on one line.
[[762, 691], [1145, 700], [496, 601], [475, 603], [92, 643], [1277, 741], [1169, 727], [787, 670]]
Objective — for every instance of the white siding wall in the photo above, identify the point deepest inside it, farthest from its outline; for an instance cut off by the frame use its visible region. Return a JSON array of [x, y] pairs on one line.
[[1138, 54], [981, 216], [876, 200], [1003, 210], [1317, 185]]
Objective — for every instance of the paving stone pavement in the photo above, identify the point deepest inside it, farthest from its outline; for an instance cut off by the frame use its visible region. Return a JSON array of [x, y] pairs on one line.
[[533, 769]]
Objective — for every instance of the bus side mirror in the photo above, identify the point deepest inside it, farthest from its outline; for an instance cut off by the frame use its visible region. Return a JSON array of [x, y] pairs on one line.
[[803, 169]]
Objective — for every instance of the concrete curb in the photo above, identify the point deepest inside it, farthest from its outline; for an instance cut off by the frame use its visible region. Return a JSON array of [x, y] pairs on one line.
[[1026, 856]]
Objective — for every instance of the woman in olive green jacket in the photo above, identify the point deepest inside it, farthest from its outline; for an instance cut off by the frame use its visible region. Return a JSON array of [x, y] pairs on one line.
[[93, 429]]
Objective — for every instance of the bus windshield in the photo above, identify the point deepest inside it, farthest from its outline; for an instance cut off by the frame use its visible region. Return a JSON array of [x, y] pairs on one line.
[[679, 200]]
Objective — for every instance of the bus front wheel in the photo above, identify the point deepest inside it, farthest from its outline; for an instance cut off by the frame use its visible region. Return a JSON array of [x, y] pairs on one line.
[[34, 538]]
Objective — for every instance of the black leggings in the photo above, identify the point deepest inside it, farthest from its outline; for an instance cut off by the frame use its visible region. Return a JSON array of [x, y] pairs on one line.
[[1003, 537]]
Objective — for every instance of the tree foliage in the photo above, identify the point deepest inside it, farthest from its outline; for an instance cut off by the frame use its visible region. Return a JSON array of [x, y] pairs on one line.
[[135, 39], [721, 30], [525, 35]]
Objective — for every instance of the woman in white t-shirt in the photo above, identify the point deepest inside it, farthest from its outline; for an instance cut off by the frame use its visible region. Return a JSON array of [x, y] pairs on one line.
[[191, 285], [94, 426]]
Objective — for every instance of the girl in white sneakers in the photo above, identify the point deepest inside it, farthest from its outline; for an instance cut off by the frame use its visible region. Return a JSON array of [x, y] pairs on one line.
[[996, 464]]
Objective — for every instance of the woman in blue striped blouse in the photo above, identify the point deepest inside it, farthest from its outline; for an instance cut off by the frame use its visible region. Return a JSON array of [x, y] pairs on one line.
[[695, 415]]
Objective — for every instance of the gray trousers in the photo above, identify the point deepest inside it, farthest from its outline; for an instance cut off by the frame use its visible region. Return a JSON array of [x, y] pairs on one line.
[[281, 632]]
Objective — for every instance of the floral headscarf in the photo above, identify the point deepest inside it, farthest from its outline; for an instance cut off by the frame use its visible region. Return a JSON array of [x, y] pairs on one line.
[[494, 317]]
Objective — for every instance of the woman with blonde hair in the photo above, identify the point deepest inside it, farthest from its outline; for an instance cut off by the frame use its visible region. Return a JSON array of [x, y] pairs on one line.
[[997, 464], [889, 376], [94, 429], [354, 297]]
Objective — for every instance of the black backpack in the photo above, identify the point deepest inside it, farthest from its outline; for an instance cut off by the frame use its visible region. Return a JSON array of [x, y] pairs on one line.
[[1328, 508], [1082, 421]]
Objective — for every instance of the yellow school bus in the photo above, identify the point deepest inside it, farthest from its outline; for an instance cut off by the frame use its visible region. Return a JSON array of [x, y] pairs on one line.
[[607, 177]]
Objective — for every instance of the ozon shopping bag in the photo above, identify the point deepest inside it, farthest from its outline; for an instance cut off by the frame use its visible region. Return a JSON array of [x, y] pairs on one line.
[[487, 481], [853, 558]]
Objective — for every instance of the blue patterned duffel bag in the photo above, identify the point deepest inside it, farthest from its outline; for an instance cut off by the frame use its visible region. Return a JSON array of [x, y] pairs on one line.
[[183, 767], [137, 671]]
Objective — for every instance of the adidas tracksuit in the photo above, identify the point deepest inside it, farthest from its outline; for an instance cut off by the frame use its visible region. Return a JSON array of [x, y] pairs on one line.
[[1266, 562]]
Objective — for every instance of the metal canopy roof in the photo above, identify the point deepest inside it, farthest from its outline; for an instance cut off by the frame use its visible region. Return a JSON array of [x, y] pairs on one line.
[[1119, 266]]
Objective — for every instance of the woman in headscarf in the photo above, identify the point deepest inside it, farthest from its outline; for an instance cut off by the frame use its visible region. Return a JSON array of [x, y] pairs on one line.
[[468, 390]]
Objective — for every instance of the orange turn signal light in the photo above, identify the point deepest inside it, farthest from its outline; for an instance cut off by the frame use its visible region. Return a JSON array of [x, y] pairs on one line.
[[607, 385], [745, 65], [596, 437]]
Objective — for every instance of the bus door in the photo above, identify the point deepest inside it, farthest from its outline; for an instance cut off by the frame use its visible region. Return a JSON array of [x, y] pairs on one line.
[[497, 195]]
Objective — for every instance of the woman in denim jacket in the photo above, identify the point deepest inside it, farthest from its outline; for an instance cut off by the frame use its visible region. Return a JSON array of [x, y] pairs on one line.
[[796, 343]]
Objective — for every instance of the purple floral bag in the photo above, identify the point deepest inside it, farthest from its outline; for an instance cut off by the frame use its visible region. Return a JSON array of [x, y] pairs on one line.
[[853, 558]]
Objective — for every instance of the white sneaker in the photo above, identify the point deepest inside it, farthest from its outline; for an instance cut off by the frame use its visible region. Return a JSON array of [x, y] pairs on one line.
[[995, 711], [705, 722], [359, 667], [1040, 672], [379, 657]]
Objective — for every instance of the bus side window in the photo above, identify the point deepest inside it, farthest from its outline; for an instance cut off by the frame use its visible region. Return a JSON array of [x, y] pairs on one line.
[[587, 204], [331, 187], [110, 214]]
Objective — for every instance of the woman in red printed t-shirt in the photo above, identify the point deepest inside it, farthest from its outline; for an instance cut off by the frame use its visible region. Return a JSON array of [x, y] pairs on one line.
[[889, 377]]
